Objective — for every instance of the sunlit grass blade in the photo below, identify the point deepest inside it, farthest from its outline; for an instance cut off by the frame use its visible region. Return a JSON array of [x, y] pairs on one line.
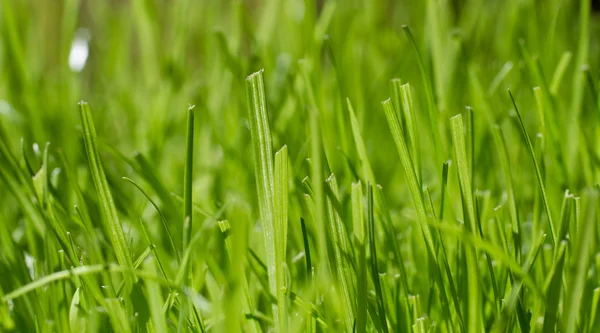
[[411, 175], [264, 173], [538, 173], [583, 244], [187, 178], [109, 211], [474, 293], [281, 229], [342, 253]]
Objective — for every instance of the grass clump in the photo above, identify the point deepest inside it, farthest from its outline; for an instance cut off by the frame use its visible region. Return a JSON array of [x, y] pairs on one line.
[[296, 200]]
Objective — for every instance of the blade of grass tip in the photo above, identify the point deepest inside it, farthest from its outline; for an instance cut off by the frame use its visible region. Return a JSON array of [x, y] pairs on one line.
[[263, 164], [373, 250], [474, 323], [187, 177], [186, 306], [117, 315], [504, 71], [280, 228], [537, 171], [560, 71], [594, 309], [162, 217], [411, 176], [108, 208], [361, 273], [578, 266], [408, 111], [77, 322], [416, 193]]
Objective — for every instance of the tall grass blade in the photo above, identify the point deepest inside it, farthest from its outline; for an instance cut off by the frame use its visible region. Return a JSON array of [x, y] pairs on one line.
[[109, 211], [473, 296]]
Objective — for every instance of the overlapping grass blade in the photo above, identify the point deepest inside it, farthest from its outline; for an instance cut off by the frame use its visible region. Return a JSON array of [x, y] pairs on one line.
[[281, 229], [373, 261], [342, 253], [538, 173], [360, 233], [473, 296], [273, 217], [109, 211]]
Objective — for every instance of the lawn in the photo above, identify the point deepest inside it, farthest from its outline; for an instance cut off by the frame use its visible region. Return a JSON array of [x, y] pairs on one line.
[[299, 166]]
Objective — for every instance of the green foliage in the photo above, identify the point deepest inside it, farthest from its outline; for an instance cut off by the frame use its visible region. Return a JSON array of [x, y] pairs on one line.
[[295, 200]]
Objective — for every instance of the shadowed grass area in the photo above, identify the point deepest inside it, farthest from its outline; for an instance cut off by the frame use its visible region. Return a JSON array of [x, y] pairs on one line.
[[299, 166]]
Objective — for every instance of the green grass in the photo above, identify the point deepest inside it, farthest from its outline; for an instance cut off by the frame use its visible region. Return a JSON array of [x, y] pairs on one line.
[[342, 166]]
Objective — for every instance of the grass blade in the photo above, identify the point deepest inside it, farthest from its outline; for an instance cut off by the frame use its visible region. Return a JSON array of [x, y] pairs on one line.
[[187, 178], [263, 163], [473, 297], [280, 228], [374, 269], [538, 173], [578, 266], [109, 211]]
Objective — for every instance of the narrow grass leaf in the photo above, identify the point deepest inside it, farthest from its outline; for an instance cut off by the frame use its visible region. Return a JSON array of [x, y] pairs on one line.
[[109, 211], [474, 322]]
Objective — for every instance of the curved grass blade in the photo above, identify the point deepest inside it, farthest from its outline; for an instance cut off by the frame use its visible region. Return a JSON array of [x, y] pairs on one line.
[[537, 172], [162, 217], [109, 211]]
